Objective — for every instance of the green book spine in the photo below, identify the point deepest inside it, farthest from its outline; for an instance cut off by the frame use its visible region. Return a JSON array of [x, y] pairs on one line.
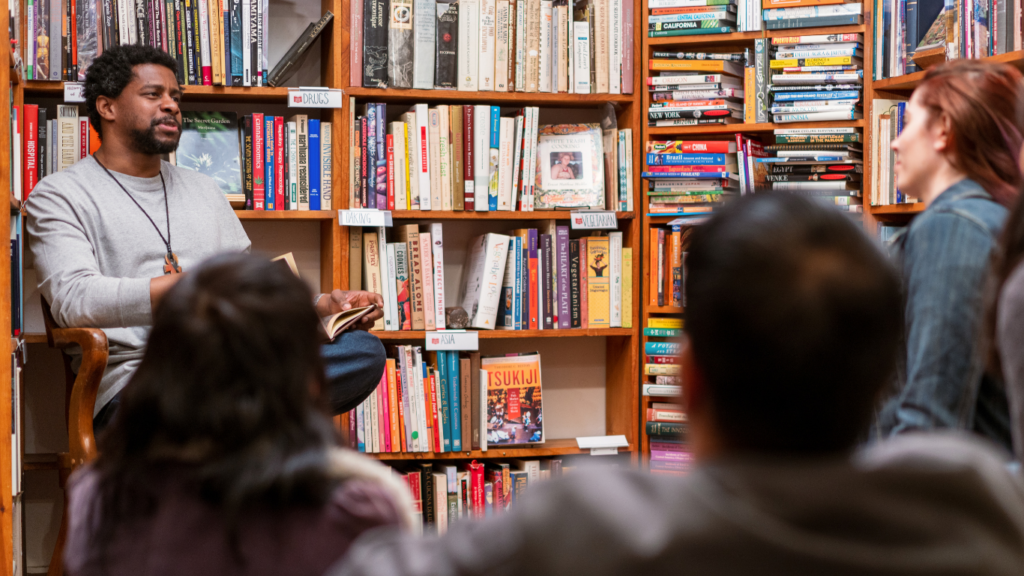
[[693, 32], [663, 332], [666, 429]]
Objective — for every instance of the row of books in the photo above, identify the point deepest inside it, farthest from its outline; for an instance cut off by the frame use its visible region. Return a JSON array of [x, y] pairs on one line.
[[574, 46], [821, 163], [816, 78], [668, 256], [948, 30], [887, 120], [215, 42], [696, 88], [42, 146], [530, 279], [697, 17], [441, 402], [471, 158], [443, 494], [690, 178], [669, 454]]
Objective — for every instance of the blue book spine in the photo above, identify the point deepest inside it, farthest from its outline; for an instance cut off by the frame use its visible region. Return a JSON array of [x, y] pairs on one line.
[[796, 96], [371, 156], [226, 15], [314, 164], [444, 397], [268, 164], [382, 158], [661, 348], [455, 394], [236, 42], [656, 175], [654, 159], [517, 290]]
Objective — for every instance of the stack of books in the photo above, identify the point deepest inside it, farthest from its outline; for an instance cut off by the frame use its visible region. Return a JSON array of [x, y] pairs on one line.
[[886, 124], [689, 178], [447, 493], [530, 279], [666, 429], [817, 78], [823, 163], [690, 17], [666, 385], [812, 14], [696, 88], [577, 47], [471, 158]]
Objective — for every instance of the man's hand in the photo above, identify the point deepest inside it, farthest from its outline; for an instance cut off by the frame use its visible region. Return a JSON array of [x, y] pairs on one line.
[[342, 300]]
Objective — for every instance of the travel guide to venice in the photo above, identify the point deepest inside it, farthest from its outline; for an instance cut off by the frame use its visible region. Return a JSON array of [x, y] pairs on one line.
[[515, 413]]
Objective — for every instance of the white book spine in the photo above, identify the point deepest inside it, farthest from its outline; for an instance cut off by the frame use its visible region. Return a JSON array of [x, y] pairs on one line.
[[374, 420], [247, 62], [501, 47], [545, 46], [387, 283], [401, 168], [423, 157], [615, 276], [292, 192], [421, 400], [629, 173], [434, 153], [123, 35], [427, 266], [469, 38], [570, 38], [553, 44], [581, 58], [437, 248], [615, 47], [487, 32], [520, 47], [412, 420], [517, 151], [133, 36], [489, 275], [204, 33], [481, 152], [483, 410], [445, 160], [326, 168], [412, 151], [507, 128], [16, 125], [531, 168], [392, 282], [424, 30]]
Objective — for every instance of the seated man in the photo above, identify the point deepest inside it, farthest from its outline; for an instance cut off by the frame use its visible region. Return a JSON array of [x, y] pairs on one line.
[[793, 318], [114, 232]]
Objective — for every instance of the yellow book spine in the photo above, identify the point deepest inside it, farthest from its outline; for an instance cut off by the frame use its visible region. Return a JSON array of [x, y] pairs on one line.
[[661, 369], [670, 323], [749, 97], [598, 286], [833, 61], [627, 287], [696, 65]]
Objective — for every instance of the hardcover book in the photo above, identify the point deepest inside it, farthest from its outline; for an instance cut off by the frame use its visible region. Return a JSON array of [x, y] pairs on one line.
[[375, 44], [514, 405], [598, 282], [445, 65], [570, 167], [481, 287], [400, 45], [209, 145]]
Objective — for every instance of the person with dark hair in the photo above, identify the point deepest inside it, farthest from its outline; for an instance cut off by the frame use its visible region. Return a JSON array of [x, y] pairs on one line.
[[112, 233], [222, 458], [958, 154], [793, 320]]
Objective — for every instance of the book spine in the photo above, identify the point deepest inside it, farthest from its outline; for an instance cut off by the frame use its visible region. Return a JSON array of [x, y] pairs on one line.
[[302, 147], [562, 271], [400, 44], [424, 160], [501, 46], [326, 167], [544, 42], [506, 128], [375, 43], [574, 283], [355, 35], [487, 45], [445, 156], [437, 241], [465, 392], [390, 150], [520, 50], [280, 183], [247, 185], [370, 154], [458, 158], [291, 191], [447, 44], [481, 157], [534, 281], [494, 155], [55, 50], [268, 163], [427, 267], [188, 47], [548, 290], [258, 168], [424, 31], [444, 406], [204, 42], [533, 45], [468, 145], [30, 132]]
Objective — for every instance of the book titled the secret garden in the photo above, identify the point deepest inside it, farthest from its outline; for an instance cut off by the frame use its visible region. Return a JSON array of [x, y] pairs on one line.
[[209, 145], [570, 167]]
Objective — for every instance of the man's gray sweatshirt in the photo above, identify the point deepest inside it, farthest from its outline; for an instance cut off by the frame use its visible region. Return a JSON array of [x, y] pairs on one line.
[[95, 252]]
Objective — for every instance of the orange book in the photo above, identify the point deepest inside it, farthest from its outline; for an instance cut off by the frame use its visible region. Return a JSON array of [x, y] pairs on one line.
[[435, 437], [749, 95], [394, 399], [688, 10], [428, 401], [710, 66], [674, 272], [652, 286]]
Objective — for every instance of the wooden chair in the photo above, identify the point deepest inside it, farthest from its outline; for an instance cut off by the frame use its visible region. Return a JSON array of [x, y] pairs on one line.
[[80, 401]]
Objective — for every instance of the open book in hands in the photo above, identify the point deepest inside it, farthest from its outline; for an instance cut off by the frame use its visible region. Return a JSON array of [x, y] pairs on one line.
[[336, 323]]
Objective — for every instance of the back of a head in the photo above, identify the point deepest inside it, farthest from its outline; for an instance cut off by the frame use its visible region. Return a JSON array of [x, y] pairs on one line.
[[983, 103], [794, 316]]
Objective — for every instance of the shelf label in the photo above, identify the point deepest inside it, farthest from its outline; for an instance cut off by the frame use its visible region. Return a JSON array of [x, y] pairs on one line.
[[453, 340], [74, 92], [374, 218], [316, 97], [594, 220], [602, 445]]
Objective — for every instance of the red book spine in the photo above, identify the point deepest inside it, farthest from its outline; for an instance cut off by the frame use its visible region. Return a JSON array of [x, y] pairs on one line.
[[534, 304], [693, 147], [705, 168], [428, 400], [413, 478], [353, 443], [364, 182], [476, 489], [30, 134], [467, 145], [259, 190], [399, 376], [390, 143], [279, 180], [83, 137], [433, 412], [383, 419], [661, 360]]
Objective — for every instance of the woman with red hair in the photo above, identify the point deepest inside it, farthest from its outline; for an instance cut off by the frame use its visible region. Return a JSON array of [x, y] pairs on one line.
[[958, 154]]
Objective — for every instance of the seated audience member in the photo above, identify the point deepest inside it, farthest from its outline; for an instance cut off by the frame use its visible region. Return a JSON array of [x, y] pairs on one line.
[[958, 154], [1008, 320], [113, 232], [793, 319], [222, 458]]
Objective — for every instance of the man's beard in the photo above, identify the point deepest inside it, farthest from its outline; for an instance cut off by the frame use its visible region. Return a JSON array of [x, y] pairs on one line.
[[145, 141]]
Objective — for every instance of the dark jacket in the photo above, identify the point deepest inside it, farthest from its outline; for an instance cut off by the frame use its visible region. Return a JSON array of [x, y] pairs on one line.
[[933, 505], [185, 536]]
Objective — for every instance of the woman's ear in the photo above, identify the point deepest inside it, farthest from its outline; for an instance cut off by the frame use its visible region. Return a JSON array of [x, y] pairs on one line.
[[940, 130]]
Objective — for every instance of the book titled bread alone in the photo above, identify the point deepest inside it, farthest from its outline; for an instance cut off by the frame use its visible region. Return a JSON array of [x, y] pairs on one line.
[[570, 167], [515, 412], [334, 324]]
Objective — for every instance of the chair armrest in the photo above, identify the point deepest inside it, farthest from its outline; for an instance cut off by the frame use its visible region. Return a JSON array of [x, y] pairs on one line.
[[93, 343]]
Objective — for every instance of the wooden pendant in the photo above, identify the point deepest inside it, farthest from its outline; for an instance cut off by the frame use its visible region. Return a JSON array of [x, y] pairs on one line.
[[171, 264]]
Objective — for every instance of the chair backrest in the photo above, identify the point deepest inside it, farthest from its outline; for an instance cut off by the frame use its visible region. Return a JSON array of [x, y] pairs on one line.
[[69, 372]]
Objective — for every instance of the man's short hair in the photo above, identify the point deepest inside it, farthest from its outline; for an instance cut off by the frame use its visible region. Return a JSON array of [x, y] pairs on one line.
[[793, 316], [111, 72]]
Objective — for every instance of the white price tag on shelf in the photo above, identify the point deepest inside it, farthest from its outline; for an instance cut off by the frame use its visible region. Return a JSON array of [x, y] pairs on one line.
[[602, 445], [74, 92], [594, 220], [453, 340], [314, 97], [374, 218]]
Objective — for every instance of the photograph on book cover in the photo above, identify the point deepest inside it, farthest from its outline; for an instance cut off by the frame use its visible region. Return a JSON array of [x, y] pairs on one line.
[[573, 175], [515, 414]]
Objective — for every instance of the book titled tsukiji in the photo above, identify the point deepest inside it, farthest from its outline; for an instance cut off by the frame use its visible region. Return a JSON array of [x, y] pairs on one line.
[[515, 413]]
